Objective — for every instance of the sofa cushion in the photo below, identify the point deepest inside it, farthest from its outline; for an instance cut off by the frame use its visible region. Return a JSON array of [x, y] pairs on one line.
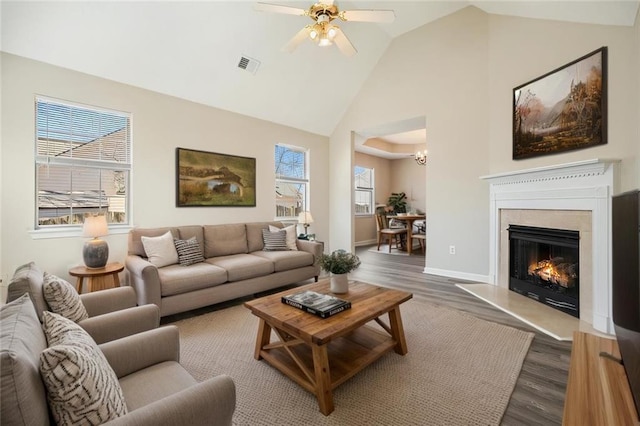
[[189, 251], [243, 266], [22, 395], [63, 299], [28, 279], [254, 234], [82, 388], [176, 279], [135, 238], [274, 241], [160, 250], [150, 384], [291, 235], [286, 260], [223, 240]]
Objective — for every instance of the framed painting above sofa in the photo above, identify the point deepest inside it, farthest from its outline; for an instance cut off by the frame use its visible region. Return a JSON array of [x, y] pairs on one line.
[[209, 179]]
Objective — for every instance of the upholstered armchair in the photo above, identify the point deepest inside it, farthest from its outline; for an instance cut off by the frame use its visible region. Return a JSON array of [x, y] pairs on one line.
[[54, 373], [110, 314], [157, 388]]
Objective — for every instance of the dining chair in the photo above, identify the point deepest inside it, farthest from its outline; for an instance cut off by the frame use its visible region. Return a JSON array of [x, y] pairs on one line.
[[422, 239], [391, 234], [420, 233]]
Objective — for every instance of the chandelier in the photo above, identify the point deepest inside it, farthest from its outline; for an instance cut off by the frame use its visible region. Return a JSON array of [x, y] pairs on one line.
[[421, 157]]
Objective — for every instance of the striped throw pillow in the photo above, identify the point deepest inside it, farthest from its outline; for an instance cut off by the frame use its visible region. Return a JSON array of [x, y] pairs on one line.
[[274, 241], [188, 251], [291, 235], [62, 298], [82, 388]]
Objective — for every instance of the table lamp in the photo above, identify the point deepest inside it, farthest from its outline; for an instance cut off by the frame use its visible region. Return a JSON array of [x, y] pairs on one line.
[[95, 251], [305, 219]]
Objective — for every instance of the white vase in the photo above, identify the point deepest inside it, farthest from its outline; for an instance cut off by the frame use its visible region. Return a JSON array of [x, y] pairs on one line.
[[339, 283]]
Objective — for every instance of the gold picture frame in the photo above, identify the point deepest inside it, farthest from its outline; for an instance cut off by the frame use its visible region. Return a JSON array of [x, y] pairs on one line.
[[210, 179]]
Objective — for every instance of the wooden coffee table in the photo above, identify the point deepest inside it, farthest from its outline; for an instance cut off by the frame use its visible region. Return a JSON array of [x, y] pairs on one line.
[[321, 354]]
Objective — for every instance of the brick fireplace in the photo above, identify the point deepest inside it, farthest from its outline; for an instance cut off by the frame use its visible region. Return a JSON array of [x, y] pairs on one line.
[[574, 197]]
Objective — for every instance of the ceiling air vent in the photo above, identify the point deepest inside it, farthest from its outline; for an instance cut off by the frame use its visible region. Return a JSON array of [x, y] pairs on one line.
[[249, 64]]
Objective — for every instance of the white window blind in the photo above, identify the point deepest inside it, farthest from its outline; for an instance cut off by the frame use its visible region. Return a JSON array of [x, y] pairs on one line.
[[292, 180], [83, 163], [364, 188]]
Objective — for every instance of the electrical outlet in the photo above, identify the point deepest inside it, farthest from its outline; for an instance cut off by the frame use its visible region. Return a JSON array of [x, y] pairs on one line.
[[452, 249]]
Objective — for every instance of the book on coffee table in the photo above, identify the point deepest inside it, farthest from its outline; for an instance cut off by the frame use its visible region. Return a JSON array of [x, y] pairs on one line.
[[318, 304]]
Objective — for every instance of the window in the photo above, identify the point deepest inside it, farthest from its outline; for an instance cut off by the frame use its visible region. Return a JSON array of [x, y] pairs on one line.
[[292, 181], [83, 163], [364, 190]]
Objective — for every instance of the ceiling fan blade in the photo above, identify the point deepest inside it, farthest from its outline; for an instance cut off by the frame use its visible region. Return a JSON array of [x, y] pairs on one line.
[[296, 40], [276, 8], [343, 43], [368, 15]]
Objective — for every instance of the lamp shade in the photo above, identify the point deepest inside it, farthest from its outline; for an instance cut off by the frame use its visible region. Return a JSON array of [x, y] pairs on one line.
[[305, 218], [95, 226]]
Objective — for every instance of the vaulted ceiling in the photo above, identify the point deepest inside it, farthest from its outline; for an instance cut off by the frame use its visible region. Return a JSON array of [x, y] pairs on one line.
[[192, 49]]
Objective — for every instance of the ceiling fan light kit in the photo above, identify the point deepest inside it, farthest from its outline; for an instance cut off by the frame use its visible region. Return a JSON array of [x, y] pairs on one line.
[[323, 32]]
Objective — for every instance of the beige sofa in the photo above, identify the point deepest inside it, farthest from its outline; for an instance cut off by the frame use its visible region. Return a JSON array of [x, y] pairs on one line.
[[235, 265]]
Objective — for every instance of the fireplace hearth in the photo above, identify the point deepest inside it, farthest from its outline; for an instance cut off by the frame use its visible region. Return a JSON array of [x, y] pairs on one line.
[[543, 265]]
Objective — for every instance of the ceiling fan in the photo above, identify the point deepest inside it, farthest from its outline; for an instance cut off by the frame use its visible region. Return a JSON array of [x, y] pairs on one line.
[[323, 31]]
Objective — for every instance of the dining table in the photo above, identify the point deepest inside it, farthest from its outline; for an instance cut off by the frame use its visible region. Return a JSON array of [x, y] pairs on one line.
[[408, 219]]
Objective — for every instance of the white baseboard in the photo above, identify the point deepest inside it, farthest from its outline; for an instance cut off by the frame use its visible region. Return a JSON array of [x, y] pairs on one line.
[[365, 243], [457, 274]]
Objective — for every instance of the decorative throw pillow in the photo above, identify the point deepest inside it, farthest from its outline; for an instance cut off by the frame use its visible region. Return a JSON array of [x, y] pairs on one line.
[[291, 235], [28, 278], [189, 251], [62, 298], [274, 241], [82, 388], [22, 395], [160, 250]]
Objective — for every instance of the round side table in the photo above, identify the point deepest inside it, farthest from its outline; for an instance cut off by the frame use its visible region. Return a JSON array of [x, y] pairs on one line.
[[97, 278]]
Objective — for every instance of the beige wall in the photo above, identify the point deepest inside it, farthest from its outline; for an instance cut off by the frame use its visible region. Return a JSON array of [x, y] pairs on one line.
[[515, 57], [409, 177], [459, 72], [390, 176], [2, 236], [637, 120], [160, 124], [436, 71], [365, 226]]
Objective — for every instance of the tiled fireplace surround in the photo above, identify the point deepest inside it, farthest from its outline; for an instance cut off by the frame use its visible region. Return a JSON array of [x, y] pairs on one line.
[[574, 196]]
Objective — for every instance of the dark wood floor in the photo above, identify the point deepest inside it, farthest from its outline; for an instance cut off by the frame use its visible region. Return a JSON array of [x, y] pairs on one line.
[[538, 398]]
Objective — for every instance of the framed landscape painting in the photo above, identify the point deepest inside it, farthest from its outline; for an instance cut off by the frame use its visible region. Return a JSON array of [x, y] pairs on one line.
[[563, 110], [211, 179]]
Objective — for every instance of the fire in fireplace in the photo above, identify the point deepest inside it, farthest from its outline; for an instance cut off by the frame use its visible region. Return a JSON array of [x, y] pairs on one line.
[[543, 265]]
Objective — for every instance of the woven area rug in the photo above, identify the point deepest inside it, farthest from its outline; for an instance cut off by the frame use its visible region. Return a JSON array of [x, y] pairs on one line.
[[460, 370]]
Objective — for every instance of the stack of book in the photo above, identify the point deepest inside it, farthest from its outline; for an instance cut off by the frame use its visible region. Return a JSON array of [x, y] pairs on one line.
[[318, 304]]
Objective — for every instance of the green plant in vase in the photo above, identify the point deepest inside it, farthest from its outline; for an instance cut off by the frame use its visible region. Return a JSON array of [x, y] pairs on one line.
[[397, 201], [339, 263]]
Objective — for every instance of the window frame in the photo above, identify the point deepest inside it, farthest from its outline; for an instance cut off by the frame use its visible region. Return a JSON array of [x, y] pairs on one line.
[[370, 190], [88, 164], [305, 181]]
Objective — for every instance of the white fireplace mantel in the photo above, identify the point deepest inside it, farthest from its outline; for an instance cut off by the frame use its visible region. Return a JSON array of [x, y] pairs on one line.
[[583, 185]]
